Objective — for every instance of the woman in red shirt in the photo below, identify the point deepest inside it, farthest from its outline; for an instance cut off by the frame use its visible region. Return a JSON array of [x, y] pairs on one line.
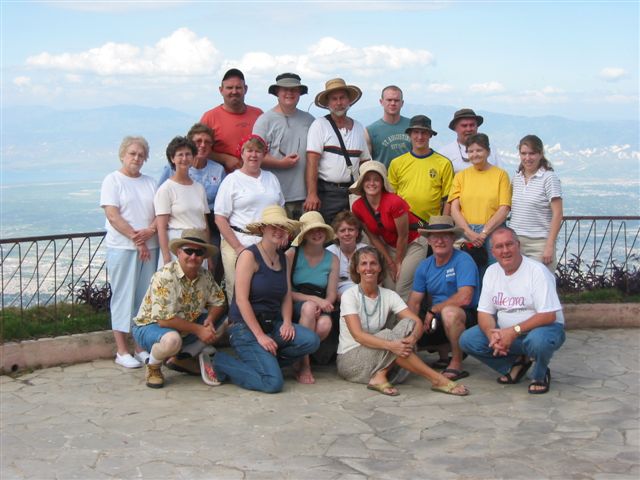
[[390, 226]]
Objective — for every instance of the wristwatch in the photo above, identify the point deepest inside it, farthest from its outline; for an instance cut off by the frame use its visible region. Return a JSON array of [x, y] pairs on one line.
[[518, 329]]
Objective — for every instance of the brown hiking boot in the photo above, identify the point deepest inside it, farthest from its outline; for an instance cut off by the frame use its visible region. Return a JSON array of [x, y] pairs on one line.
[[154, 376]]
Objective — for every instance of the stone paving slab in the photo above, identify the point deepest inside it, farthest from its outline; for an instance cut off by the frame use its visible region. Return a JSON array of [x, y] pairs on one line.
[[98, 421]]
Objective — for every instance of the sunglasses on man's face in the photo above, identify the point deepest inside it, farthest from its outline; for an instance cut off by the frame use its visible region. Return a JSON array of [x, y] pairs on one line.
[[198, 252]]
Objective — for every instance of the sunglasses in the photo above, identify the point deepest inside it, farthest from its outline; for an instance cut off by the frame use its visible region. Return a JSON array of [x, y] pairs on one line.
[[198, 252]]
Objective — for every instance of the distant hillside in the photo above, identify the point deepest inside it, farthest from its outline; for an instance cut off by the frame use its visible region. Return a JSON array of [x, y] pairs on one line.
[[43, 144]]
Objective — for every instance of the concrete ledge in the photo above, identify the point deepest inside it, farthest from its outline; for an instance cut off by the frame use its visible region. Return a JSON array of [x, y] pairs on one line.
[[85, 347]]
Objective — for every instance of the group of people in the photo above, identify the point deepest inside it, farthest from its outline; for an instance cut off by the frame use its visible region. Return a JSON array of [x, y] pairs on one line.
[[326, 235]]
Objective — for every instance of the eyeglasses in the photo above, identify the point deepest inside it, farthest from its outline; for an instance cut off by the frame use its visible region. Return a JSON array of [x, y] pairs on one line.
[[198, 252]]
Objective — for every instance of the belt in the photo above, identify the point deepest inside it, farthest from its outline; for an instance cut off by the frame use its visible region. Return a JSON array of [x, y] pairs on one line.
[[239, 230], [335, 184]]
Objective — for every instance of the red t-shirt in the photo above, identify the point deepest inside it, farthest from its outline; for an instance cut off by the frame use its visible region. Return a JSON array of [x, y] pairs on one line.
[[391, 207], [229, 128]]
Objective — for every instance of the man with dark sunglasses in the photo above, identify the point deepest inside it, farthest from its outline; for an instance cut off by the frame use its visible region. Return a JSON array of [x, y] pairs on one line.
[[171, 319]]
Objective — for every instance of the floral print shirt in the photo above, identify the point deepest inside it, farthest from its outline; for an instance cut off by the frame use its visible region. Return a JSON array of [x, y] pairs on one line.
[[172, 294]]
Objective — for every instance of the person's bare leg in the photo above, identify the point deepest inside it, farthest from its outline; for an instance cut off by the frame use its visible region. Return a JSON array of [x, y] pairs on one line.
[[453, 319], [308, 320], [414, 364], [121, 342]]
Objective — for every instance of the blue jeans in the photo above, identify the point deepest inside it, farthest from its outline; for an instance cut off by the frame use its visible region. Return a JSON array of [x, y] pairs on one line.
[[148, 335], [257, 369], [538, 344]]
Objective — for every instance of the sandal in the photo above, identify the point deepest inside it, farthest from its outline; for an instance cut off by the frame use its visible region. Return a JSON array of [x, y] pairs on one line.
[[449, 388], [522, 362], [546, 383], [385, 388]]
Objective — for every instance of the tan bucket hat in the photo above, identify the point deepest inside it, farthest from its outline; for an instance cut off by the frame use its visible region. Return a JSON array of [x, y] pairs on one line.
[[337, 84], [371, 166], [193, 237], [441, 224], [464, 113], [276, 216], [309, 221]]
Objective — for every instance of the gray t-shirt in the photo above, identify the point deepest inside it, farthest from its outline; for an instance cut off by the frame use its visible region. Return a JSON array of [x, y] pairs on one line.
[[287, 134]]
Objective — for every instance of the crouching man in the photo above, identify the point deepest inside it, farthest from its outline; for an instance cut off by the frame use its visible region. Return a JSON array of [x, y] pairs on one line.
[[520, 319], [171, 316]]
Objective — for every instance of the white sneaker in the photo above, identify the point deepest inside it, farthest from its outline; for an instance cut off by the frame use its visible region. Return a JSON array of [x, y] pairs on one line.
[[127, 361], [142, 356]]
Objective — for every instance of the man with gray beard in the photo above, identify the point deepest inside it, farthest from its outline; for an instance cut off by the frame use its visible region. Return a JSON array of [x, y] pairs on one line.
[[336, 146]]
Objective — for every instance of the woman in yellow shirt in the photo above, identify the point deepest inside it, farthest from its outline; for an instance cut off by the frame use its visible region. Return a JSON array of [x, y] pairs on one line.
[[480, 196]]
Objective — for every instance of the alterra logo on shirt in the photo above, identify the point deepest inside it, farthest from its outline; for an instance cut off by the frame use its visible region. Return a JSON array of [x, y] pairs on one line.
[[500, 300]]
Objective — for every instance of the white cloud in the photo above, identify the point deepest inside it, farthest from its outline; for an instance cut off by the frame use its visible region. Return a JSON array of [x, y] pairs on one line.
[[22, 81], [488, 87], [181, 53], [331, 56], [73, 78], [439, 88], [612, 74], [619, 98], [116, 7]]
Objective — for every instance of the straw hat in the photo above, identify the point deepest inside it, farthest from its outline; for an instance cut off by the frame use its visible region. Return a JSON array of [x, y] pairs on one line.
[[309, 221], [441, 224], [371, 166], [288, 80], [465, 113], [275, 216], [337, 84], [193, 237]]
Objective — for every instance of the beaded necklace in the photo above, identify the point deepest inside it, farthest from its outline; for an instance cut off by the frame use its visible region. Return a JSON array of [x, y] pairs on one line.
[[376, 308]]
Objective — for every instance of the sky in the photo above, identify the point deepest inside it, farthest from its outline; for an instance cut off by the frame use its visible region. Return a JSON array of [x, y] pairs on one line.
[[574, 59]]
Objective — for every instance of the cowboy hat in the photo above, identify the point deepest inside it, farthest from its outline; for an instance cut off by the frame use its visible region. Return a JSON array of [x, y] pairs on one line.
[[288, 80], [464, 113], [420, 122], [441, 224], [337, 84], [193, 237], [371, 166], [275, 216], [309, 221]]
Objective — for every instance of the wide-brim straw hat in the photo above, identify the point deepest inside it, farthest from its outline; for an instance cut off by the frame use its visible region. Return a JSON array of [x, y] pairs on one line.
[[337, 84], [309, 221], [371, 166], [464, 113], [288, 80], [441, 224], [193, 237], [275, 216]]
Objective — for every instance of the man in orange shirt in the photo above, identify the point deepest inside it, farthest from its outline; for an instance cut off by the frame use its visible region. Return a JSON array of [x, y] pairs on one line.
[[231, 121]]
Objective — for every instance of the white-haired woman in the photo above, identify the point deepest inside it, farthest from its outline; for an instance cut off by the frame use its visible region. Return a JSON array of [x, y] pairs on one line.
[[132, 245]]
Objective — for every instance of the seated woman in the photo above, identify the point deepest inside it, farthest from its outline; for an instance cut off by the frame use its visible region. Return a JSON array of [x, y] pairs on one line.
[[480, 197], [314, 281], [367, 350], [261, 329], [387, 222], [348, 231]]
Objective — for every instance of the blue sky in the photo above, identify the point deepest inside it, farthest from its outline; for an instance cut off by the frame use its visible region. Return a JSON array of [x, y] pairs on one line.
[[575, 59]]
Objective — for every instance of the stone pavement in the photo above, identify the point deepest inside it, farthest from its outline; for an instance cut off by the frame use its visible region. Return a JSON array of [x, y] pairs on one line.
[[96, 420]]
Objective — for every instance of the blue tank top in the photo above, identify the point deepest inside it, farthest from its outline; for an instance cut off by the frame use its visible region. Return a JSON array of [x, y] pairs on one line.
[[318, 275], [268, 288]]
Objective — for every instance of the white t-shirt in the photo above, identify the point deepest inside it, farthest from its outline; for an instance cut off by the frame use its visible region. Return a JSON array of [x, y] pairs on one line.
[[517, 297], [323, 141], [351, 303], [345, 281], [134, 198], [242, 198], [455, 152], [186, 205]]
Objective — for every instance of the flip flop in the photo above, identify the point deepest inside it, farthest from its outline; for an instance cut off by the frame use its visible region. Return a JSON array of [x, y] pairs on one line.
[[457, 374], [526, 365], [546, 383], [448, 388], [440, 363], [384, 388]]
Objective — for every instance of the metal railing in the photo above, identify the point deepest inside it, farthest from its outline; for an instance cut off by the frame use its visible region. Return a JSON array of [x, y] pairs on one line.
[[49, 270]]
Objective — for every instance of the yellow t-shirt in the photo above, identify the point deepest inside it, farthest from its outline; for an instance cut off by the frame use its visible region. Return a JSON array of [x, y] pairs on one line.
[[422, 181], [481, 193]]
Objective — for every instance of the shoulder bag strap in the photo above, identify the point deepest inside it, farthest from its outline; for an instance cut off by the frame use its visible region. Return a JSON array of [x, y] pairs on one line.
[[345, 154], [375, 216]]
